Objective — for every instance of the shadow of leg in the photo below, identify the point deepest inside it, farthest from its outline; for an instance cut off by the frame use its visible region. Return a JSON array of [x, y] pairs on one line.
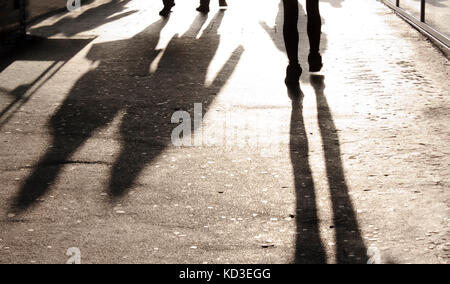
[[133, 158], [309, 248], [350, 247], [46, 171]]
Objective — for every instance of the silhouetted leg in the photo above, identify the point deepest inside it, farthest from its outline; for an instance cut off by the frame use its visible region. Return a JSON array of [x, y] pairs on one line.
[[314, 25], [168, 4], [291, 40], [290, 31], [204, 6], [314, 33]]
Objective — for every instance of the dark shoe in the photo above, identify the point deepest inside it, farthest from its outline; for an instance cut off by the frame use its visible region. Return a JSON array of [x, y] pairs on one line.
[[315, 62], [202, 9], [295, 92], [293, 73], [223, 3], [167, 9]]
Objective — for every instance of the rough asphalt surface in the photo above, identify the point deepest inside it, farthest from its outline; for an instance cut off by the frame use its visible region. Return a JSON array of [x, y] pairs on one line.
[[356, 169]]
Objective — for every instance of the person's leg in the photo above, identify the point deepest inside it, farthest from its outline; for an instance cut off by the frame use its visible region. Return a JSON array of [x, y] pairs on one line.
[[290, 30], [314, 34], [204, 6], [168, 4], [291, 40], [223, 3]]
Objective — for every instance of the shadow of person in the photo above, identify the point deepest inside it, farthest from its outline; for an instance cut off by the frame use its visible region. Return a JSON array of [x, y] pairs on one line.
[[309, 248], [350, 247], [181, 85], [122, 86], [91, 19]]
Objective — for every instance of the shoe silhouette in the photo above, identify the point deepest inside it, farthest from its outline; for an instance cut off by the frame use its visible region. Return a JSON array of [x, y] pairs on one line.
[[204, 5], [168, 5], [293, 73], [315, 62], [203, 8]]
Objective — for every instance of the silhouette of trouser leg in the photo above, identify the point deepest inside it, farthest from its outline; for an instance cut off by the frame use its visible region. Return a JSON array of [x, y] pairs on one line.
[[290, 31], [204, 3], [168, 3], [204, 6], [314, 25]]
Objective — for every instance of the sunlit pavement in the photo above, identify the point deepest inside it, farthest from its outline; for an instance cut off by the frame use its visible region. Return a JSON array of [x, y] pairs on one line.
[[360, 164]]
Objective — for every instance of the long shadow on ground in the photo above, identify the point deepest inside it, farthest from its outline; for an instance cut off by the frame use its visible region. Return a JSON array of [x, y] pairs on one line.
[[122, 85]]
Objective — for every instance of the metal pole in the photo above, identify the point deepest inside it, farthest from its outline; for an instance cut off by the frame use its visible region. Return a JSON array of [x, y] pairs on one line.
[[422, 11], [397, 3], [23, 18]]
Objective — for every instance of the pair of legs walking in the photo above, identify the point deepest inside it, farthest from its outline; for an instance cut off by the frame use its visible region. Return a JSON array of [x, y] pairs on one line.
[[203, 8], [291, 37]]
